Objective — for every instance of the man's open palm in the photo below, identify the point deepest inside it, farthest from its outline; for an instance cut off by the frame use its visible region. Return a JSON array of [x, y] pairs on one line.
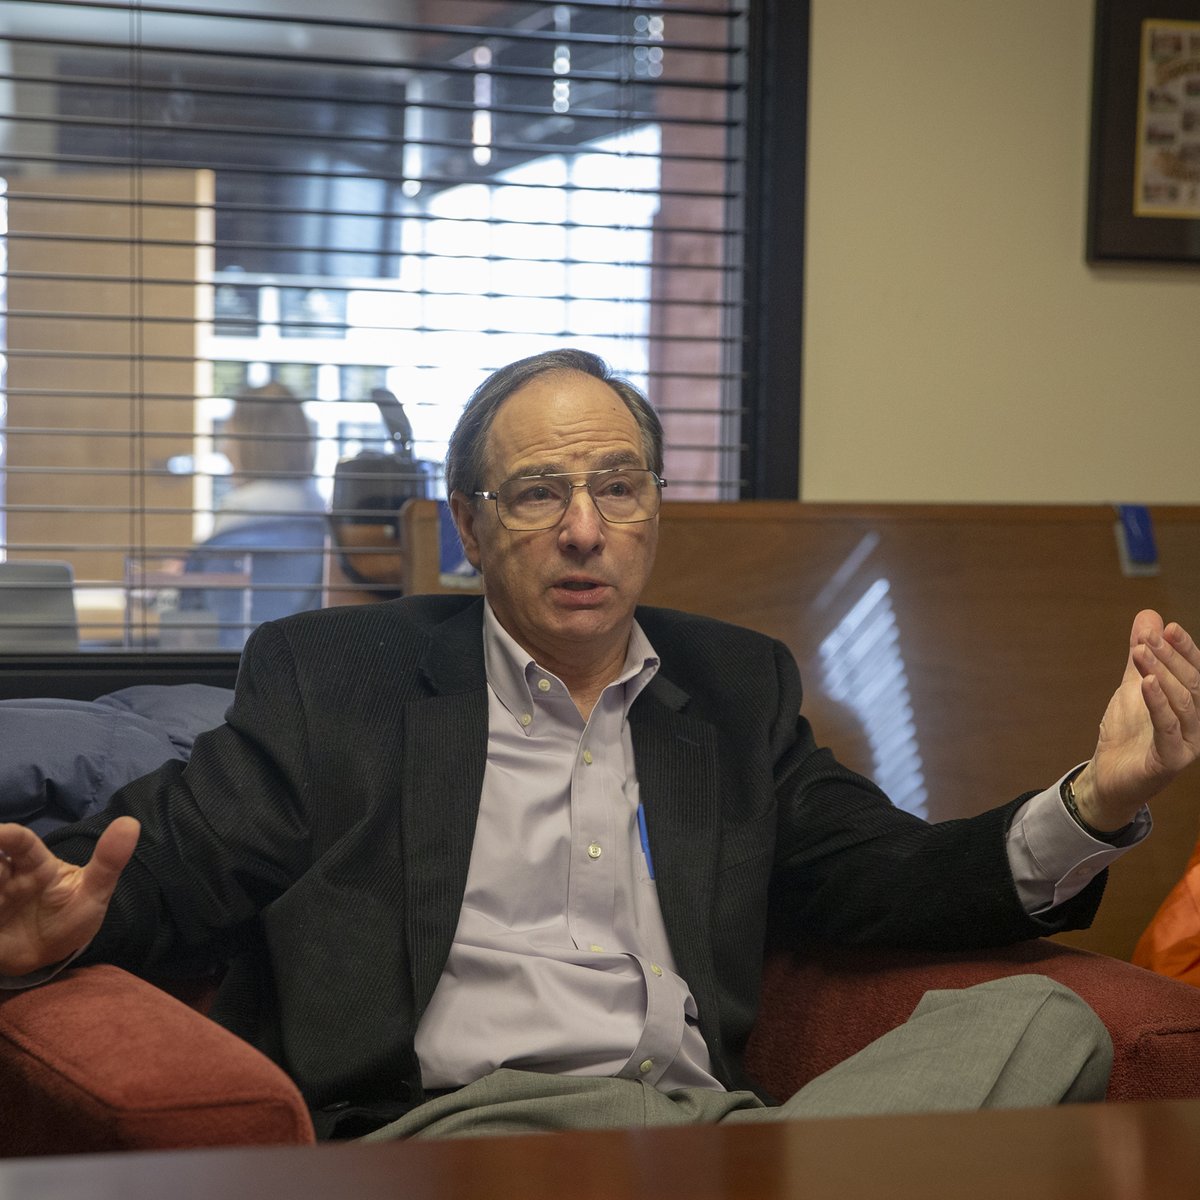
[[1151, 728], [49, 909]]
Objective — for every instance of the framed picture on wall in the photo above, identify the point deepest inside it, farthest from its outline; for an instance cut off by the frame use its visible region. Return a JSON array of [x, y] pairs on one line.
[[1144, 186]]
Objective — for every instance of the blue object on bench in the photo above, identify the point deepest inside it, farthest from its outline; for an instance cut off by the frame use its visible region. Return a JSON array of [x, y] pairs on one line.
[[61, 760], [286, 561]]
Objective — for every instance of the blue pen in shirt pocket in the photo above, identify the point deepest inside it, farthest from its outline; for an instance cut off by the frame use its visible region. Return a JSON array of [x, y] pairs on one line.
[[641, 819]]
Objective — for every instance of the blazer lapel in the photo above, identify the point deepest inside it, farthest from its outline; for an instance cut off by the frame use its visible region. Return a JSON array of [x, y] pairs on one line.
[[677, 767], [445, 754]]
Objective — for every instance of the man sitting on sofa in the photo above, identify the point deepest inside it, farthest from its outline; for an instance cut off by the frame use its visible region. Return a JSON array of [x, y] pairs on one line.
[[477, 865]]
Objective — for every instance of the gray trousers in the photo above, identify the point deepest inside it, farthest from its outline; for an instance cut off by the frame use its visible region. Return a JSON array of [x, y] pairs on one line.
[[1020, 1042]]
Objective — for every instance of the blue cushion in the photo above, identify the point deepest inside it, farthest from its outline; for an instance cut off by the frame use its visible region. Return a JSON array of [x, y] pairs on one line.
[[61, 760], [180, 710]]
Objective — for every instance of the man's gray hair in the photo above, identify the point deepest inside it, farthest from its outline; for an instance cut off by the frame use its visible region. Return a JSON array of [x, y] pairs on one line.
[[466, 455]]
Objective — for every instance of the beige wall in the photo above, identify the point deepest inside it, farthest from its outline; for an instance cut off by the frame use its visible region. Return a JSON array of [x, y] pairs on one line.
[[957, 345]]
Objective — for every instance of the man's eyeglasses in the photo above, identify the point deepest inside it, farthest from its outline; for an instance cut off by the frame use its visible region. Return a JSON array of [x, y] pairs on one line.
[[622, 496]]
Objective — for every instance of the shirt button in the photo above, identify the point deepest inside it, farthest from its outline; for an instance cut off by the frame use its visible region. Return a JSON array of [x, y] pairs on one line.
[[646, 1066], [594, 850], [655, 969], [543, 685], [587, 757], [526, 719]]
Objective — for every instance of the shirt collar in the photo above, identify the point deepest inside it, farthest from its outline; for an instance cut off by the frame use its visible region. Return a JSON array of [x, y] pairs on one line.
[[508, 665]]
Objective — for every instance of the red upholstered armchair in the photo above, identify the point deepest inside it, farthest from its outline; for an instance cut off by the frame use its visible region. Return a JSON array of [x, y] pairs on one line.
[[99, 1060], [819, 1008]]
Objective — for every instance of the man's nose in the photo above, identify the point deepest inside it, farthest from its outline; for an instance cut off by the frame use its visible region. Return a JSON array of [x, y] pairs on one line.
[[582, 526]]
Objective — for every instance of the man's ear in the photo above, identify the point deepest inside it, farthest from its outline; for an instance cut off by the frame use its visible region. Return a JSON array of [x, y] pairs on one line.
[[463, 511]]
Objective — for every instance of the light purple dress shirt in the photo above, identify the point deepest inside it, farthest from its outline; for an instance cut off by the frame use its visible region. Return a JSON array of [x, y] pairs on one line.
[[560, 962]]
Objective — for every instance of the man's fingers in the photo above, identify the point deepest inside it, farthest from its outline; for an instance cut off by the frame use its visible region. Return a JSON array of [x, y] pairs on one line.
[[1182, 641], [1178, 678], [23, 853], [1176, 735], [17, 842], [1162, 715], [1188, 654], [112, 853], [1147, 626]]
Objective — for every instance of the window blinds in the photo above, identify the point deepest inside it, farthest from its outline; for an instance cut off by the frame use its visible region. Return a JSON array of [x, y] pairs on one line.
[[257, 254]]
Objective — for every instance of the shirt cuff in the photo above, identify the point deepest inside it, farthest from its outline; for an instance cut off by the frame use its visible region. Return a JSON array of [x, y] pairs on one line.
[[1052, 858], [14, 983]]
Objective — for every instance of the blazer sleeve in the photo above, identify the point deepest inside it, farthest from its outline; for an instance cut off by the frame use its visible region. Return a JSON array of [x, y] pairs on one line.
[[221, 836], [851, 867]]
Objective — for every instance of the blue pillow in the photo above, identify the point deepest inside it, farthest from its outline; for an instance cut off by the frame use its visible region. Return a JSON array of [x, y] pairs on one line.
[[180, 710], [61, 760]]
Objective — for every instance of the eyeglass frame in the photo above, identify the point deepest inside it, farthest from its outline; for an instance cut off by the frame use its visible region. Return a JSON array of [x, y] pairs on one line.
[[659, 483]]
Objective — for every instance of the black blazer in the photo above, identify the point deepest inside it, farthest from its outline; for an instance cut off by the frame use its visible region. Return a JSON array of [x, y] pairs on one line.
[[320, 839]]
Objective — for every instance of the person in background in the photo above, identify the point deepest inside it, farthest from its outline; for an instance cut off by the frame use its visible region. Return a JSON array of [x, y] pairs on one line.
[[271, 448], [270, 525]]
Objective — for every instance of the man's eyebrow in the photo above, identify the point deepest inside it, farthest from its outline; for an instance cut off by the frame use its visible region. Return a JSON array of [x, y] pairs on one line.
[[531, 469], [619, 458], [607, 462]]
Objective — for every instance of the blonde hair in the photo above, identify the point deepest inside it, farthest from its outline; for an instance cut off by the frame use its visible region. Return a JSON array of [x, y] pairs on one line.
[[268, 434]]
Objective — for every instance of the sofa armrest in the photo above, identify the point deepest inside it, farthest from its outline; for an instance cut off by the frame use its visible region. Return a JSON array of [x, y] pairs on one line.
[[825, 1003], [98, 1059]]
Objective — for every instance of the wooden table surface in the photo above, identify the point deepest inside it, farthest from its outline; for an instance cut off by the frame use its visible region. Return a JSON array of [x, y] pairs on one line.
[[1145, 1151]]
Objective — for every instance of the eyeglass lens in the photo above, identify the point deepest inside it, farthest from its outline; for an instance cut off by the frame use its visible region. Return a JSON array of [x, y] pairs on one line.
[[538, 502]]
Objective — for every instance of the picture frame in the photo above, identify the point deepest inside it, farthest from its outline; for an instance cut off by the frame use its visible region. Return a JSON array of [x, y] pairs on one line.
[[1144, 173]]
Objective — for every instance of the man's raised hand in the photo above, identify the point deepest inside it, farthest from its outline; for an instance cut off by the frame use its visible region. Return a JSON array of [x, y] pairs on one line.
[[1151, 728], [49, 909]]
